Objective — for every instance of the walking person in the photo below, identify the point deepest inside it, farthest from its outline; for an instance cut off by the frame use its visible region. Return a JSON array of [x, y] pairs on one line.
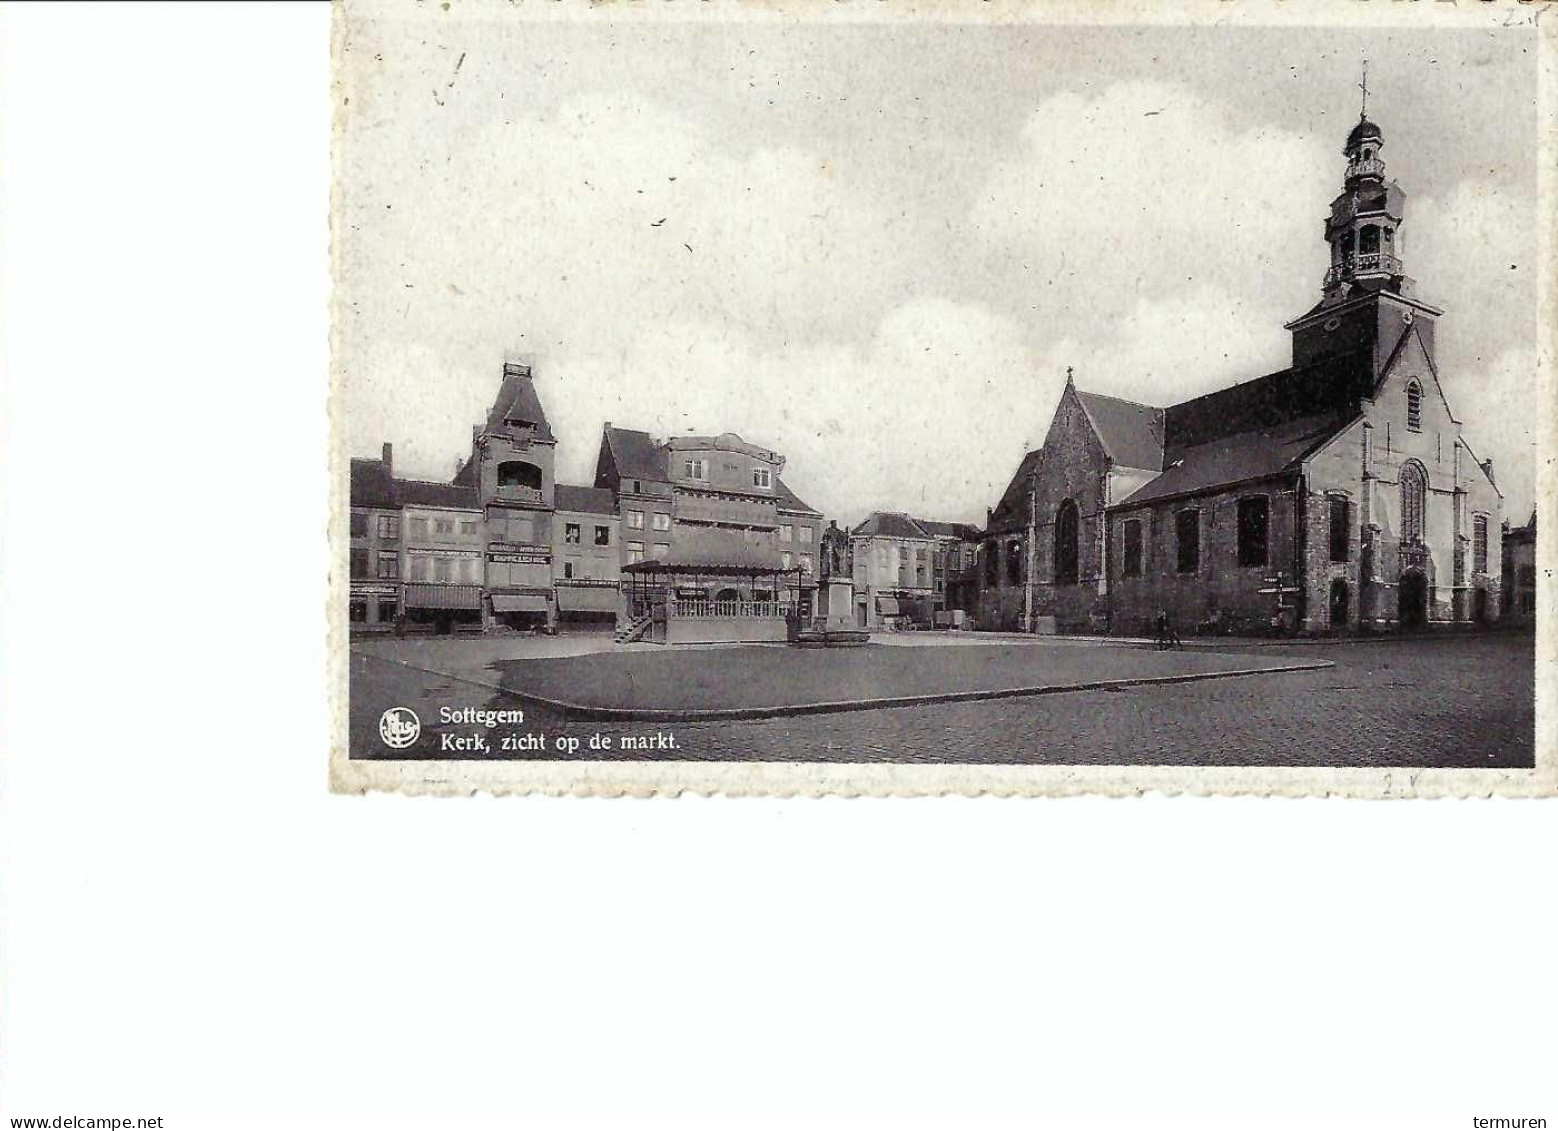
[[1166, 636]]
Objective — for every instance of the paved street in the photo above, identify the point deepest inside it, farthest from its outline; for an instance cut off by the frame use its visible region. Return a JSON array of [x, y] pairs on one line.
[[1430, 701]]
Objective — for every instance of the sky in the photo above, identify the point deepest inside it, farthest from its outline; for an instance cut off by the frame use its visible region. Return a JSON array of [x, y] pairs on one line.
[[877, 248]]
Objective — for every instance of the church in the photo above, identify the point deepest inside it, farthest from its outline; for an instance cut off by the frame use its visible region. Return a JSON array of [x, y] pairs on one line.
[[1338, 494]]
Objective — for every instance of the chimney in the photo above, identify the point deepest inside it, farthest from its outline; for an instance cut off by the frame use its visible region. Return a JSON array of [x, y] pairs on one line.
[[389, 459]]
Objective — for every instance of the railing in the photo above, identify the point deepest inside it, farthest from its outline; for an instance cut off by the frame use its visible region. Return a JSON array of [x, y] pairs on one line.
[[729, 609], [1362, 264], [1366, 167], [522, 494]]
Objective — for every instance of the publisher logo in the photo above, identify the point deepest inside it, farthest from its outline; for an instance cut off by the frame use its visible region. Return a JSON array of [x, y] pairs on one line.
[[399, 727]]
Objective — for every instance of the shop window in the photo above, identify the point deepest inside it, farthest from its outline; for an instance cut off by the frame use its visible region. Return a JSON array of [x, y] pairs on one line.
[[603, 536], [389, 527], [662, 521], [517, 473], [1066, 535], [762, 477], [635, 520], [359, 563], [1479, 544], [1133, 547], [1341, 528], [1014, 562], [1187, 537], [389, 566], [359, 525], [388, 610], [1254, 522], [1414, 495], [1415, 406], [571, 533], [359, 612]]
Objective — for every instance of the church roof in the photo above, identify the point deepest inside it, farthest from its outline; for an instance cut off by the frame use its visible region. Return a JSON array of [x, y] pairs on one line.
[[1330, 386], [1131, 433], [1011, 513], [1241, 457]]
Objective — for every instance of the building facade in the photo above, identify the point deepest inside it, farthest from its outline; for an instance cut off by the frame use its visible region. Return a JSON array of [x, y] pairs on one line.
[[586, 555], [907, 570], [374, 562], [1518, 568], [443, 541], [1337, 494]]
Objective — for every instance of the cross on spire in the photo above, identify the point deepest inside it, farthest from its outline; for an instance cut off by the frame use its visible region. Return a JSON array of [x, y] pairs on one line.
[[1068, 374], [1363, 112]]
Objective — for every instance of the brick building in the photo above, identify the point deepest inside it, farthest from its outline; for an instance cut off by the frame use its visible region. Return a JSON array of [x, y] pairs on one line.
[[374, 562], [1336, 494]]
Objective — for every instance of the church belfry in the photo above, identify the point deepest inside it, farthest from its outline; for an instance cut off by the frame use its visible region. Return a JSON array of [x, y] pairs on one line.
[[1365, 222]]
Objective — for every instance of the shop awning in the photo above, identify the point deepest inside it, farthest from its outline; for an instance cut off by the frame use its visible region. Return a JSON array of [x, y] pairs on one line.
[[443, 596], [887, 606], [711, 550], [586, 599], [518, 603]]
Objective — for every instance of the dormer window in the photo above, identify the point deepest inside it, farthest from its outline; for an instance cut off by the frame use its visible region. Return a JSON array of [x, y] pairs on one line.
[[762, 477], [1414, 406]]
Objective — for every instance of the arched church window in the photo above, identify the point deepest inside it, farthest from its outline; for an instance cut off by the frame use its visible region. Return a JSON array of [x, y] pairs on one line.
[[1414, 406], [1414, 500], [1066, 543]]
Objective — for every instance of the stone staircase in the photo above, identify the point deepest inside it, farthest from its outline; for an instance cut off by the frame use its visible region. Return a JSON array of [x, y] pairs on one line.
[[633, 630]]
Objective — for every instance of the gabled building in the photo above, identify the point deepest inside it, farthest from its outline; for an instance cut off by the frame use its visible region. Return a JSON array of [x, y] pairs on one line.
[[905, 567], [1337, 494], [586, 554]]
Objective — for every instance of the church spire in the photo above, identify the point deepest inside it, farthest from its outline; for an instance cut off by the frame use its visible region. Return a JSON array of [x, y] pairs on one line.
[[1364, 225]]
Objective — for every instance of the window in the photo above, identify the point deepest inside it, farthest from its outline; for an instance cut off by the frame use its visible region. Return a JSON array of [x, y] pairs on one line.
[[920, 568], [1066, 544], [695, 469], [662, 521], [389, 566], [359, 563], [603, 537], [1014, 562], [419, 528], [762, 477], [635, 520], [1254, 523], [786, 532], [1415, 407], [443, 526], [638, 487], [359, 612], [661, 549], [1187, 536], [571, 533], [467, 526], [418, 568], [568, 570], [1341, 528], [784, 557], [1479, 544], [1133, 547], [387, 611], [635, 551], [516, 473], [389, 527], [803, 534], [359, 525], [1414, 493], [992, 551], [806, 563], [442, 568]]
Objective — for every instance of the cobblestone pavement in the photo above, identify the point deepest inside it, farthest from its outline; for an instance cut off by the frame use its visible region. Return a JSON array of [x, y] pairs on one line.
[[1431, 701]]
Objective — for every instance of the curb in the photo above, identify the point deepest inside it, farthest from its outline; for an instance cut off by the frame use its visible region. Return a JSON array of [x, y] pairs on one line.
[[584, 711]]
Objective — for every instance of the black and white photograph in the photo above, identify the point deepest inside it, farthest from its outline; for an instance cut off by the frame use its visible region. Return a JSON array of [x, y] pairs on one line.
[[845, 395]]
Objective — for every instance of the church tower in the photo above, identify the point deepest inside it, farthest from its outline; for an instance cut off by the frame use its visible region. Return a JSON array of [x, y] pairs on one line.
[[1366, 299]]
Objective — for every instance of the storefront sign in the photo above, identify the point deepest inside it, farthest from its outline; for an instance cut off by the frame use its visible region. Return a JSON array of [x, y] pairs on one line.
[[531, 557], [441, 551], [375, 590], [587, 582], [691, 592]]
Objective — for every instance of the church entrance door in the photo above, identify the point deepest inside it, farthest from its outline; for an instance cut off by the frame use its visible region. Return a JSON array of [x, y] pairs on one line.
[[1412, 598], [1338, 604]]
